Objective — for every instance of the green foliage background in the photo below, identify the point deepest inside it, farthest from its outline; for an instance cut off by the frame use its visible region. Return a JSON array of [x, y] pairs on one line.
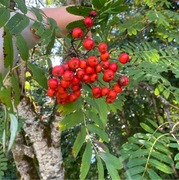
[[137, 137]]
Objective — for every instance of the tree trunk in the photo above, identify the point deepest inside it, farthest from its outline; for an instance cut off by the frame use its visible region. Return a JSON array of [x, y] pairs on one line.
[[37, 146]]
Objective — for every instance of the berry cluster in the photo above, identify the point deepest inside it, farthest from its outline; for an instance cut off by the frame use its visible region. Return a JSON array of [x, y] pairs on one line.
[[67, 79]]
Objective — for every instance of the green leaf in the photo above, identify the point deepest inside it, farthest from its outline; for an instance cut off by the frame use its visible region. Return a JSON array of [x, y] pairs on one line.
[[5, 2], [174, 145], [37, 13], [177, 165], [110, 159], [8, 48], [79, 10], [176, 158], [153, 174], [100, 132], [79, 141], [4, 16], [134, 171], [13, 130], [161, 166], [17, 23], [100, 168], [21, 6], [162, 157], [71, 120], [74, 24], [86, 161], [112, 172], [136, 162], [16, 89], [98, 4], [146, 128], [68, 108], [38, 74], [22, 47]]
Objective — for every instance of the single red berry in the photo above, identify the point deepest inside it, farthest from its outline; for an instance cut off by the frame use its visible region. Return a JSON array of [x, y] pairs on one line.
[[93, 77], [108, 75], [117, 88], [83, 64], [102, 47], [86, 78], [74, 63], [88, 44], [112, 94], [105, 64], [105, 56], [58, 71], [80, 73], [113, 66], [68, 75], [53, 83], [75, 80], [78, 93], [76, 87], [93, 13], [77, 33], [88, 22], [72, 97], [92, 61], [99, 68], [96, 91], [62, 95], [66, 66], [109, 100], [61, 89], [104, 91], [65, 84], [123, 81], [123, 58], [89, 70], [50, 92]]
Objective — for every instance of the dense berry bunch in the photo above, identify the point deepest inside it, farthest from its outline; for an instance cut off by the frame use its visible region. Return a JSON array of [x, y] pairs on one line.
[[96, 69]]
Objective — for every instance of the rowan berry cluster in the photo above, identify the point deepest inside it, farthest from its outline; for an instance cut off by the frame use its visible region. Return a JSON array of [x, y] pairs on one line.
[[67, 79]]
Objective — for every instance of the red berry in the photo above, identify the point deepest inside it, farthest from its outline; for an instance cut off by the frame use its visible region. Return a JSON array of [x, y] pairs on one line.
[[74, 63], [78, 93], [83, 64], [104, 91], [61, 89], [86, 78], [105, 56], [53, 83], [117, 88], [65, 84], [75, 80], [66, 66], [50, 92], [92, 61], [99, 68], [72, 97], [58, 71], [123, 81], [88, 44], [113, 66], [68, 75], [76, 87], [109, 100], [93, 13], [123, 58], [108, 75], [77, 33], [88, 22], [96, 91], [89, 70], [80, 73], [93, 77], [112, 94], [102, 47], [105, 64]]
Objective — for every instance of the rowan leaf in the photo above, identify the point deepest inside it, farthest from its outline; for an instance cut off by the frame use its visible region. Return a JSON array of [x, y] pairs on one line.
[[8, 48], [86, 161], [21, 6], [100, 168], [22, 47], [38, 74], [80, 139], [4, 16], [13, 130], [71, 120], [79, 10]]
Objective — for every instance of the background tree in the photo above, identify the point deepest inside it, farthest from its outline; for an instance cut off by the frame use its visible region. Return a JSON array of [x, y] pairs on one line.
[[141, 126]]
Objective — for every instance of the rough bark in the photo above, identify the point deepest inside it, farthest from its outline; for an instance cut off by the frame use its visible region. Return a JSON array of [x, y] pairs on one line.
[[39, 146]]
